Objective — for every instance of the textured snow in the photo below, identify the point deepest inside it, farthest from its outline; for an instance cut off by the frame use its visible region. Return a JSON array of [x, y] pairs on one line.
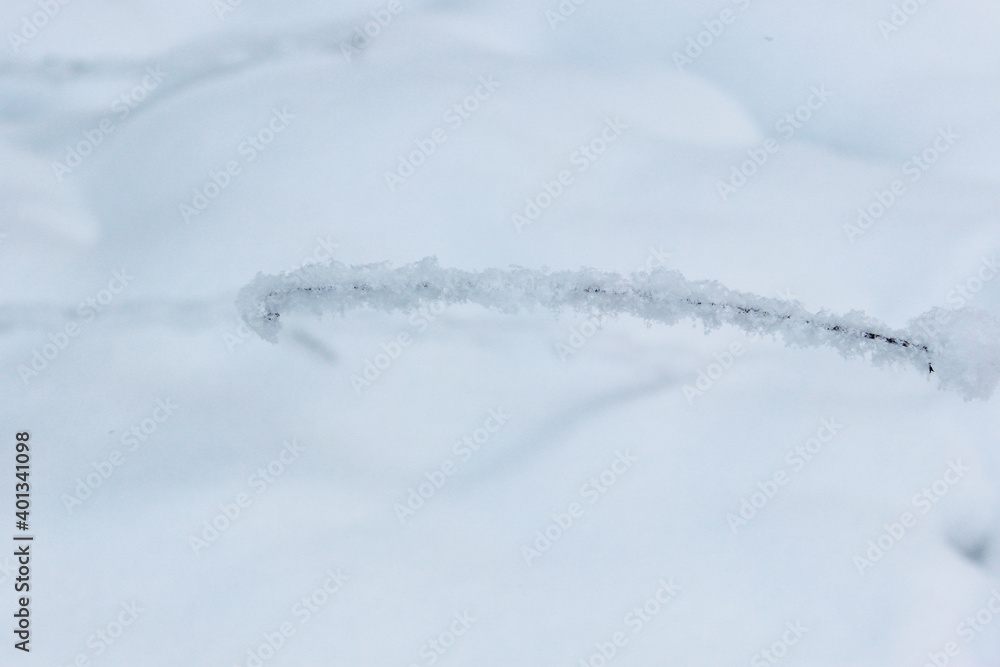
[[380, 396]]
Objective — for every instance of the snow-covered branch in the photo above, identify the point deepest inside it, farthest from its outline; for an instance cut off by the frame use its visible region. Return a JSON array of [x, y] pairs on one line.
[[961, 347]]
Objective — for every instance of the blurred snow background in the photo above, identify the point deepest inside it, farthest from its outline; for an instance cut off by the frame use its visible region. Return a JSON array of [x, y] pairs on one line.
[[180, 92]]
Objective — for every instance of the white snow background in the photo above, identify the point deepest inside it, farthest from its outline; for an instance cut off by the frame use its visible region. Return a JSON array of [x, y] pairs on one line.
[[855, 445]]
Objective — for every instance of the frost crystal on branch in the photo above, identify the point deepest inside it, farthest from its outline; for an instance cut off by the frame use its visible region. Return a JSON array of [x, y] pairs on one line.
[[962, 347]]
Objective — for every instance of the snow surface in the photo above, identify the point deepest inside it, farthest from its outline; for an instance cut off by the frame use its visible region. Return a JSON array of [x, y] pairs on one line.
[[691, 428]]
